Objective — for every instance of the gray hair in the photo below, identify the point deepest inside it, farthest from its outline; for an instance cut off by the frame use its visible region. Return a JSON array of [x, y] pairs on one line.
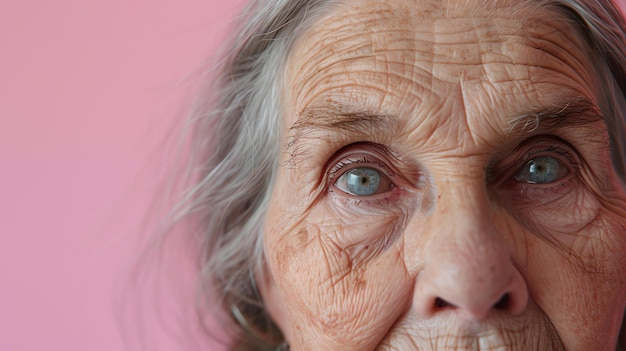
[[236, 144]]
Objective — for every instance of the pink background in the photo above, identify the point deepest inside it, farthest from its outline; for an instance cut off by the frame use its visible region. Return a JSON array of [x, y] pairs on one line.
[[89, 93]]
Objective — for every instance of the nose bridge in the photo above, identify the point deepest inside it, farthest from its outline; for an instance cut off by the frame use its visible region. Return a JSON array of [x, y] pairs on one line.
[[467, 266], [466, 245], [464, 216]]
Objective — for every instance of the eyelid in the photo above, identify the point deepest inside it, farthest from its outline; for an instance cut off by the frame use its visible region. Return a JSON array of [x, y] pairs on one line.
[[535, 147], [351, 162], [361, 154]]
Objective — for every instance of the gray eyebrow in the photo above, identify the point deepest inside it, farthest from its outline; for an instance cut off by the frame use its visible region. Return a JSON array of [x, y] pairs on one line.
[[336, 118], [313, 121], [574, 112]]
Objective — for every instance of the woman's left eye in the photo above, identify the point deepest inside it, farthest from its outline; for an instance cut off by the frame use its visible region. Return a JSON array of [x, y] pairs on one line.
[[542, 170], [363, 181]]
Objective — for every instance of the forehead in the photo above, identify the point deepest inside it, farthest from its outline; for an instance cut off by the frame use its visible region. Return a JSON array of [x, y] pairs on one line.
[[399, 57]]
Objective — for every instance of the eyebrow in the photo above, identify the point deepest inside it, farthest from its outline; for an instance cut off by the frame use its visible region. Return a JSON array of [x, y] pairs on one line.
[[315, 121], [338, 119], [574, 112]]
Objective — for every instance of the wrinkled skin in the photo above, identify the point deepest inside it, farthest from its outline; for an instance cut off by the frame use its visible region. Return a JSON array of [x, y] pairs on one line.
[[461, 246]]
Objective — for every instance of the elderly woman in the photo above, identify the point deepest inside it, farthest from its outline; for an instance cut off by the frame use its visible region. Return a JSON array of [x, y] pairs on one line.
[[418, 175]]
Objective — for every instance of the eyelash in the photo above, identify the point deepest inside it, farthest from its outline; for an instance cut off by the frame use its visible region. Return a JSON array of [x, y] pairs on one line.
[[554, 148], [340, 167], [566, 154]]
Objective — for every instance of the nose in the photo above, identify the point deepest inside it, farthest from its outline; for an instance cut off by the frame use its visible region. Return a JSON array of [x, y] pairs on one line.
[[469, 271]]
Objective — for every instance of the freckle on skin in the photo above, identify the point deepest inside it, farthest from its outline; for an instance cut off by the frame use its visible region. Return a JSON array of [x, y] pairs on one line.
[[300, 240], [360, 284], [302, 237]]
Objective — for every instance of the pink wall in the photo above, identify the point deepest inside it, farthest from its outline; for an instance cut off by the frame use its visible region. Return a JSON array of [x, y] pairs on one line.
[[88, 91]]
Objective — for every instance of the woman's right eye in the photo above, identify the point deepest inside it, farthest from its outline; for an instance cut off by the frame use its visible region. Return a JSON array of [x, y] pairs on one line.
[[363, 181]]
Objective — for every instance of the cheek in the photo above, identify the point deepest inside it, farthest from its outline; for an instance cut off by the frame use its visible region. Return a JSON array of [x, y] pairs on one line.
[[561, 217], [343, 282], [575, 258], [581, 285], [362, 226]]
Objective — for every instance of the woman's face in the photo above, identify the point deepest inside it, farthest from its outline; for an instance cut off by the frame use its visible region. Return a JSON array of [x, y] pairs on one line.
[[445, 184]]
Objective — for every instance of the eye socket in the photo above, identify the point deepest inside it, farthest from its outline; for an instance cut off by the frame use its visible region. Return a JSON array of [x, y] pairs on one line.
[[363, 181], [542, 170]]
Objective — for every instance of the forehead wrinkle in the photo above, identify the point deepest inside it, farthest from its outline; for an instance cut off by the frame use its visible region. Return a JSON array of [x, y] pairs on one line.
[[355, 35], [372, 62], [568, 50], [433, 54], [375, 76], [362, 61], [378, 87]]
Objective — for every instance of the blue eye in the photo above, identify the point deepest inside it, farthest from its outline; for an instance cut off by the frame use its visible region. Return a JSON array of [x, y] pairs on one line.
[[542, 170], [362, 181]]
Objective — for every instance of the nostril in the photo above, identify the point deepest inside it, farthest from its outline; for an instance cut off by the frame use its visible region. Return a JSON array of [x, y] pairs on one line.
[[441, 303], [503, 303]]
